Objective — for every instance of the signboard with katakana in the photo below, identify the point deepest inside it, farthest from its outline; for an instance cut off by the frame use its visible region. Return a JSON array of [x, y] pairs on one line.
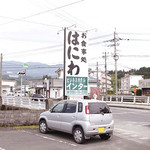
[[76, 63]]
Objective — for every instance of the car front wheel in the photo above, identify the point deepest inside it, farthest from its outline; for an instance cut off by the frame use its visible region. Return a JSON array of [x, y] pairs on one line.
[[43, 127], [78, 135]]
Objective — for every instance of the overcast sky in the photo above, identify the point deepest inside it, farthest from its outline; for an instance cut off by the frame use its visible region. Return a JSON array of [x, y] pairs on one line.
[[28, 30]]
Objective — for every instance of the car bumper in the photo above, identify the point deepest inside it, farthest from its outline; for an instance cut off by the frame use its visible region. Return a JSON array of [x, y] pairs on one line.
[[99, 129]]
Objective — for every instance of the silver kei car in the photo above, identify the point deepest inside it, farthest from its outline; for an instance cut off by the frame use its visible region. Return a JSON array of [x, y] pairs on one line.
[[81, 118]]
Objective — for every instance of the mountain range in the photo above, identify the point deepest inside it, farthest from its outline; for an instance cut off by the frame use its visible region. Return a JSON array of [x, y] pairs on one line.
[[34, 70]]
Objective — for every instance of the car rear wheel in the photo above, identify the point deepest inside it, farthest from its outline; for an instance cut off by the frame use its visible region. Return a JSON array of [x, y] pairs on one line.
[[43, 127], [105, 136], [78, 135]]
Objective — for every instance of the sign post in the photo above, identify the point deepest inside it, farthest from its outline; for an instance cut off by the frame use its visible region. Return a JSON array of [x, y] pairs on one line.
[[21, 75]]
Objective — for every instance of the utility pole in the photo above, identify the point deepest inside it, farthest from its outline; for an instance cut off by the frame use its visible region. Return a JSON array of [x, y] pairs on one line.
[[106, 74], [25, 84], [116, 57], [97, 76], [1, 59], [1, 75], [105, 57]]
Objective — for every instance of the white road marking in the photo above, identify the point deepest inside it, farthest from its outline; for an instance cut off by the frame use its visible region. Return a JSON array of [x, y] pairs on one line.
[[49, 138], [126, 133], [52, 139], [144, 138], [2, 148], [133, 134]]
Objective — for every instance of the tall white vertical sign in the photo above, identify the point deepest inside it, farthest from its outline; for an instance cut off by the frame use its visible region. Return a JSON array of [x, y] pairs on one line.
[[76, 66]]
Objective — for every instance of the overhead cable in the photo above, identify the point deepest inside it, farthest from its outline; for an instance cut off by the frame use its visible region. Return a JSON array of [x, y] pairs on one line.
[[43, 12]]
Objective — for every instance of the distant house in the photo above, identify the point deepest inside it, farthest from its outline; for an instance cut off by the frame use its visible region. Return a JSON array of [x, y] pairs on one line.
[[8, 86], [128, 81], [36, 86], [50, 88], [56, 88], [145, 86]]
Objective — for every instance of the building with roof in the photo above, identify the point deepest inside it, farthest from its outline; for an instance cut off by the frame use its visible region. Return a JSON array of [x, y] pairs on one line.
[[128, 81]]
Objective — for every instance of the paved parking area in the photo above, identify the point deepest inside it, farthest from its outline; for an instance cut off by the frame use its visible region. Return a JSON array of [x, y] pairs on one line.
[[132, 132], [31, 139]]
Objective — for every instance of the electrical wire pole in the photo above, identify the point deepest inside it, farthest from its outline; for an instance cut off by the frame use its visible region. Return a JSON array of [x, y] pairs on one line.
[[1, 59], [97, 76], [116, 57], [106, 75]]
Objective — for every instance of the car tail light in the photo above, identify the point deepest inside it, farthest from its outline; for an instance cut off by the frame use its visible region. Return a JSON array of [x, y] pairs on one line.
[[87, 109]]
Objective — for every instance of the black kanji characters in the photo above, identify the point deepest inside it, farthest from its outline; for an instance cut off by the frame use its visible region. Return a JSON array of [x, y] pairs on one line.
[[72, 67], [75, 40], [69, 53]]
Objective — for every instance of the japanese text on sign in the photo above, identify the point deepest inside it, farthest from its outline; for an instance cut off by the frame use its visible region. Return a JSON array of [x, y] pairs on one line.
[[76, 53], [76, 85]]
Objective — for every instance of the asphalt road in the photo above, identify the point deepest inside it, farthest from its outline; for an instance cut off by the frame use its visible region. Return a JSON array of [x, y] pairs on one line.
[[132, 132]]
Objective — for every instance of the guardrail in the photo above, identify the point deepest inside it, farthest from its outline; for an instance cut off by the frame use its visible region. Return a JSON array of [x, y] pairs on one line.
[[127, 99], [24, 102]]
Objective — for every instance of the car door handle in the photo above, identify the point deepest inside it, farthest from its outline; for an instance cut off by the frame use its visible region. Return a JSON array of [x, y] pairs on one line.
[[73, 116]]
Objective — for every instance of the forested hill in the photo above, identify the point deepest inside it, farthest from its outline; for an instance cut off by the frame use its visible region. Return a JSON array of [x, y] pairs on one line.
[[142, 71]]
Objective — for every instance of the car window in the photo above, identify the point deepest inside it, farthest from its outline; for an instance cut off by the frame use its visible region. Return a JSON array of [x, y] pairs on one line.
[[58, 108], [70, 108], [38, 96], [98, 108], [80, 107]]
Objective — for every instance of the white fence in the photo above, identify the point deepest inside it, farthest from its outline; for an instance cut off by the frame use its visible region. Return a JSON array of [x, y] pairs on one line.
[[24, 102], [127, 99]]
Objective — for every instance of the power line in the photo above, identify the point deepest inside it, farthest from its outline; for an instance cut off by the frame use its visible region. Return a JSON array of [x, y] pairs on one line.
[[50, 48], [43, 12], [144, 40], [134, 55], [135, 33], [34, 50], [69, 18], [102, 36], [33, 22]]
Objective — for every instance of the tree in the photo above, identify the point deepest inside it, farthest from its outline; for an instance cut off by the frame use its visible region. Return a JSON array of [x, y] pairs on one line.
[[139, 92], [46, 76]]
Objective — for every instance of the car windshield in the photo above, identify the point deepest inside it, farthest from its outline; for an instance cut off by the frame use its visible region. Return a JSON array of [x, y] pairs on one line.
[[98, 108]]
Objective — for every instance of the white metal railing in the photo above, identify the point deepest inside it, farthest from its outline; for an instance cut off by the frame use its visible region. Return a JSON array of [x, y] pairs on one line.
[[24, 102], [127, 99]]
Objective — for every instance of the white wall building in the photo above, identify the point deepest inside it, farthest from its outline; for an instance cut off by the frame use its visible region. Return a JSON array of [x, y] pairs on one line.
[[56, 88], [128, 81], [8, 86]]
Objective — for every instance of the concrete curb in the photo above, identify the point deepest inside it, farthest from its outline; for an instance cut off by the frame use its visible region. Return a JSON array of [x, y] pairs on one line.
[[22, 127]]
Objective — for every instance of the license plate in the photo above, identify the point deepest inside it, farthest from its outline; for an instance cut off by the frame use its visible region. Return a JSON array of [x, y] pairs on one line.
[[100, 130]]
